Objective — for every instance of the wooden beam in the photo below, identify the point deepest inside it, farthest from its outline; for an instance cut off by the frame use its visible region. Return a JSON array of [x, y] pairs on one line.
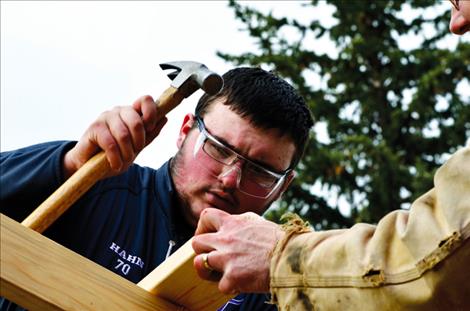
[[177, 281], [39, 274]]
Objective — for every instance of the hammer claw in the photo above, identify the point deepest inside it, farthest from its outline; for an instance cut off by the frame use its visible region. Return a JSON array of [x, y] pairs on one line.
[[186, 79], [172, 75], [190, 76], [170, 65]]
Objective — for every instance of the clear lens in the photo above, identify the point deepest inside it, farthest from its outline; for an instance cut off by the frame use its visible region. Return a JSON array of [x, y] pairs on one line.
[[218, 152], [259, 176], [455, 3], [213, 155]]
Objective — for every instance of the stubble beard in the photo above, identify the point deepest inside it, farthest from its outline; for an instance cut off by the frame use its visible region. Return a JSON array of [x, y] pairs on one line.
[[184, 198]]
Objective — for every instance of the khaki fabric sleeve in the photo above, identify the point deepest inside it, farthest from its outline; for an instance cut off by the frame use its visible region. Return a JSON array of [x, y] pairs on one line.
[[416, 260]]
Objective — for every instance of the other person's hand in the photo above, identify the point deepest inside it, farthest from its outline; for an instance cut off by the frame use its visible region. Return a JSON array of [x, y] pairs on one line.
[[237, 247]]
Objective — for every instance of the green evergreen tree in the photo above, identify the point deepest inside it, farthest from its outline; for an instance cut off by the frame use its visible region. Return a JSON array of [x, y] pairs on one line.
[[392, 114]]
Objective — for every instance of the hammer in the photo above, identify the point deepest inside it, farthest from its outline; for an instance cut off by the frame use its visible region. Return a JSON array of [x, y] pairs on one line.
[[187, 78]]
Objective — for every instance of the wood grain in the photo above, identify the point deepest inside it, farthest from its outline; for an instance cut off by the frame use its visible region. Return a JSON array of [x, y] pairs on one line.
[[40, 274], [176, 280]]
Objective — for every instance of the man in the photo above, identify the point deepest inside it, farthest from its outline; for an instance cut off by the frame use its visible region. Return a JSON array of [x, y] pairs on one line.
[[416, 260], [237, 154]]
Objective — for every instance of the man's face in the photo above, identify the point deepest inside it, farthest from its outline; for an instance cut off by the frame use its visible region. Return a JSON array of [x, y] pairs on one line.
[[199, 187], [460, 20]]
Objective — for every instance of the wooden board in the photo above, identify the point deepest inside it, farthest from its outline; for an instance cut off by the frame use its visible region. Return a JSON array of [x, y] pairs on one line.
[[40, 274], [177, 281]]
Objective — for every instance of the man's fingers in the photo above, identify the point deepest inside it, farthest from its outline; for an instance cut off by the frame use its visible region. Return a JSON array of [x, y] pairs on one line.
[[152, 120], [147, 108], [205, 243], [135, 127], [121, 133], [100, 135], [227, 286], [210, 220], [204, 264], [122, 137]]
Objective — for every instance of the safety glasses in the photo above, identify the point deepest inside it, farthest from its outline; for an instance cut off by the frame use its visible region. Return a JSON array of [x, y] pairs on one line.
[[253, 179]]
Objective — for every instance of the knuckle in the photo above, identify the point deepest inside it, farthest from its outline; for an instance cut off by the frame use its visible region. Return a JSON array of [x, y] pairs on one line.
[[110, 146], [115, 109], [123, 135], [147, 98], [231, 279], [137, 126], [104, 114], [100, 123], [95, 127], [252, 215], [195, 243], [232, 276], [204, 212], [227, 239]]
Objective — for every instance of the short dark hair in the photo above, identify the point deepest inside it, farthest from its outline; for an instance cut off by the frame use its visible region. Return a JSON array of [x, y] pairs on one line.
[[268, 101]]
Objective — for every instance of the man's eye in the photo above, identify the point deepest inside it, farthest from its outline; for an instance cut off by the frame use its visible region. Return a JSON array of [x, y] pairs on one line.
[[222, 151], [258, 171], [260, 176], [218, 151]]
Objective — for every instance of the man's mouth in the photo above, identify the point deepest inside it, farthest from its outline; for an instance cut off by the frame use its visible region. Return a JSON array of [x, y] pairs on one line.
[[221, 199]]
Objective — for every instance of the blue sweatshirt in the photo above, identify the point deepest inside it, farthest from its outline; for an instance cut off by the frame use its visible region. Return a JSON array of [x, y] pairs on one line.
[[128, 224]]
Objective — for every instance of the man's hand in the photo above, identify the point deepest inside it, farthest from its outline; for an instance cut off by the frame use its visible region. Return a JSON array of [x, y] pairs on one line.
[[122, 133], [239, 249]]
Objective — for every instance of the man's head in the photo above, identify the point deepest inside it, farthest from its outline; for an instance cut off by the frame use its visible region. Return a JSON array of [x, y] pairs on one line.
[[460, 20], [238, 152], [267, 101]]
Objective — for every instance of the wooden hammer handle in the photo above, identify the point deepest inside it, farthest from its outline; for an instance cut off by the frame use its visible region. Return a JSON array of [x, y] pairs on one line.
[[85, 177]]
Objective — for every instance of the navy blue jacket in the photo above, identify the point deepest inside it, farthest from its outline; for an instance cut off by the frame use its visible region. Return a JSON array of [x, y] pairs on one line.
[[128, 224]]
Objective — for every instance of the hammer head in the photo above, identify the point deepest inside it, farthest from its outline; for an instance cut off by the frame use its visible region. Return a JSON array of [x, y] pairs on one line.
[[189, 76]]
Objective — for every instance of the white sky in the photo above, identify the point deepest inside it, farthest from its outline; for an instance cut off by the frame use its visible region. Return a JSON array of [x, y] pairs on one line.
[[65, 62]]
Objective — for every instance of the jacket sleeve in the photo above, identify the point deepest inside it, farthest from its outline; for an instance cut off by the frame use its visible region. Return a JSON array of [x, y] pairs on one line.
[[416, 260], [29, 175]]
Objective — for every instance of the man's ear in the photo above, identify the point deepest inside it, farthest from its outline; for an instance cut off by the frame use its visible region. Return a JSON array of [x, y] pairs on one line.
[[187, 125]]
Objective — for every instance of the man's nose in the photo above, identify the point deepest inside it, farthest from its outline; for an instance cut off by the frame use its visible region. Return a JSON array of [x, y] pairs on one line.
[[458, 24], [231, 175]]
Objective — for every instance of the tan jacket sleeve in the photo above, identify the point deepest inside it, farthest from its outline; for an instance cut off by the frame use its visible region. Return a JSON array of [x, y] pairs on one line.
[[416, 260]]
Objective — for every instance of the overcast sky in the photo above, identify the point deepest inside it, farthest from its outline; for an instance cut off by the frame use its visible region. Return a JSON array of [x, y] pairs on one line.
[[65, 62]]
